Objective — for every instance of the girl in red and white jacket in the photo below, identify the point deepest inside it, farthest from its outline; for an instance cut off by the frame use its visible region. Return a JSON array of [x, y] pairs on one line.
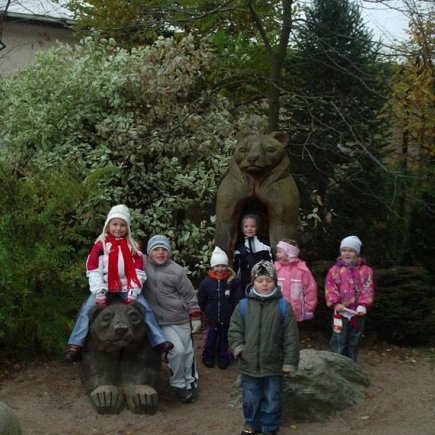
[[115, 268], [297, 284]]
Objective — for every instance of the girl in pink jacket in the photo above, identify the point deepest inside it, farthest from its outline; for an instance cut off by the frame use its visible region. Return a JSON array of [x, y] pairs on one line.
[[296, 281], [350, 292]]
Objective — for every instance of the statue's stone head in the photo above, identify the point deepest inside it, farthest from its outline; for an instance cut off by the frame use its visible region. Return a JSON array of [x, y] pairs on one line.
[[118, 325]]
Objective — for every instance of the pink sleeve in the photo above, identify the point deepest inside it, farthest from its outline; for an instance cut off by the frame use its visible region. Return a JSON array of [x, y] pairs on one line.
[[332, 292], [310, 292], [367, 294]]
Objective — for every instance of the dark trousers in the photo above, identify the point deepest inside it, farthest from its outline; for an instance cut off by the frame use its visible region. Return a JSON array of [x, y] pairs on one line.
[[347, 341], [216, 345]]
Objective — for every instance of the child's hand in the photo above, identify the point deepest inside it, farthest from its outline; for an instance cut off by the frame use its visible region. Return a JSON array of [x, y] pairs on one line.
[[131, 297], [308, 315], [100, 297], [339, 307], [288, 371], [196, 325], [361, 310]]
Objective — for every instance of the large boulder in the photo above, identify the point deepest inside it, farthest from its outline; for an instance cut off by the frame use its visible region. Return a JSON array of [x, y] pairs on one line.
[[118, 367], [9, 424], [326, 382]]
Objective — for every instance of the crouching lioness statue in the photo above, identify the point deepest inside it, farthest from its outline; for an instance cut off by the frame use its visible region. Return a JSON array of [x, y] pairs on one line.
[[118, 367]]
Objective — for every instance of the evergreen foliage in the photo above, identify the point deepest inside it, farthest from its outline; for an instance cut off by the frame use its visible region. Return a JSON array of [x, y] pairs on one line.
[[404, 311], [43, 233], [338, 84]]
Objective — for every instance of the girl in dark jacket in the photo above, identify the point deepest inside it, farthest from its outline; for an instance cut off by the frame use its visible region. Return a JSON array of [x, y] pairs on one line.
[[250, 250], [218, 294]]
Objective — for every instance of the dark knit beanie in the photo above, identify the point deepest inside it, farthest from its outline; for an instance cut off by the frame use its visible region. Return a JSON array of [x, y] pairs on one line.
[[263, 268]]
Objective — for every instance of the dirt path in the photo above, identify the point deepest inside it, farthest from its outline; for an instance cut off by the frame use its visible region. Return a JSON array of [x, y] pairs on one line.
[[49, 399]]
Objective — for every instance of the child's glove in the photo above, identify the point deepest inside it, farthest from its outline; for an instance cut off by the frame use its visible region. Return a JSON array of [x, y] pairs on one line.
[[361, 310], [196, 326], [100, 297], [131, 297], [195, 321], [308, 315]]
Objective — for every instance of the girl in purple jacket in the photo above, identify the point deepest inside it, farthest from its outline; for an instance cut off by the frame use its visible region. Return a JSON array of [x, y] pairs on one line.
[[349, 291]]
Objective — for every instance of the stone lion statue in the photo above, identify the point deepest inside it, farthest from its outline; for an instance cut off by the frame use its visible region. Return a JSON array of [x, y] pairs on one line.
[[118, 367], [258, 181]]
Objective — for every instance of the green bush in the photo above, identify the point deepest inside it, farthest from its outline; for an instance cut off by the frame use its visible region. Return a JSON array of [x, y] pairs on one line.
[[84, 128], [42, 234], [404, 310]]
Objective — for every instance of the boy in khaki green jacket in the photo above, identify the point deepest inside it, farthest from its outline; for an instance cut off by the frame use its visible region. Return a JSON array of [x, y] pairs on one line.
[[265, 340]]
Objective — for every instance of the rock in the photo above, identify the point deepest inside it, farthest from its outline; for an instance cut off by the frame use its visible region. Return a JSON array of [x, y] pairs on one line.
[[9, 424], [325, 383]]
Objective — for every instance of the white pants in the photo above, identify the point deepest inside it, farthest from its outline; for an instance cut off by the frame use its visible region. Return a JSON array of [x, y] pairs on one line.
[[181, 359]]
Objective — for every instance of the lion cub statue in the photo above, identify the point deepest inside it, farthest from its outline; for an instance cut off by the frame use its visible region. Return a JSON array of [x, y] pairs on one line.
[[259, 172], [118, 367]]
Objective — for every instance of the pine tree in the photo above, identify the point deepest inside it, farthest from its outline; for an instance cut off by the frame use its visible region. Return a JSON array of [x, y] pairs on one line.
[[339, 90]]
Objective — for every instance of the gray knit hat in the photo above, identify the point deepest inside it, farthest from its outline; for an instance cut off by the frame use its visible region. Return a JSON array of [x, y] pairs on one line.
[[158, 241], [263, 268]]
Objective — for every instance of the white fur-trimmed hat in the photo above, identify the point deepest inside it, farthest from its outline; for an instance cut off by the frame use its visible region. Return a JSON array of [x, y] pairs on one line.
[[120, 211], [351, 242], [218, 257]]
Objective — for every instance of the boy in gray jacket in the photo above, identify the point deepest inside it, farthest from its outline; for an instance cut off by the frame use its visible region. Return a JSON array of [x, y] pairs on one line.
[[265, 340], [172, 297]]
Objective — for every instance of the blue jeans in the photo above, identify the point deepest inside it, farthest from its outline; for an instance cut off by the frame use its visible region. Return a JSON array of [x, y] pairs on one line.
[[78, 336], [262, 402], [347, 341]]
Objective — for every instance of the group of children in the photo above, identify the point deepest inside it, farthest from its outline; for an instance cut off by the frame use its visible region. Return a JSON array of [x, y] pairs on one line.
[[251, 313]]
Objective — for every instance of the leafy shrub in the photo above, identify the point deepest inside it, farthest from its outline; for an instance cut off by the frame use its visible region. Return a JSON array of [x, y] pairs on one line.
[[42, 233], [84, 128], [404, 310]]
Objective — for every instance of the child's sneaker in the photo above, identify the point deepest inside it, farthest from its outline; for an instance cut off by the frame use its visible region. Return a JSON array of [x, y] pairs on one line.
[[194, 391], [164, 347], [209, 364], [223, 364], [74, 354], [183, 394], [247, 430]]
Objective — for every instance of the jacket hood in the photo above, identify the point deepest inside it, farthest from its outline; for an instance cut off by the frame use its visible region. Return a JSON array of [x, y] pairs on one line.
[[300, 264], [360, 261], [276, 294]]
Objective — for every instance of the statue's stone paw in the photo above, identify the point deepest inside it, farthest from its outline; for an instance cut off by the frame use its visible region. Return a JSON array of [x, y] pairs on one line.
[[141, 399], [107, 399]]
